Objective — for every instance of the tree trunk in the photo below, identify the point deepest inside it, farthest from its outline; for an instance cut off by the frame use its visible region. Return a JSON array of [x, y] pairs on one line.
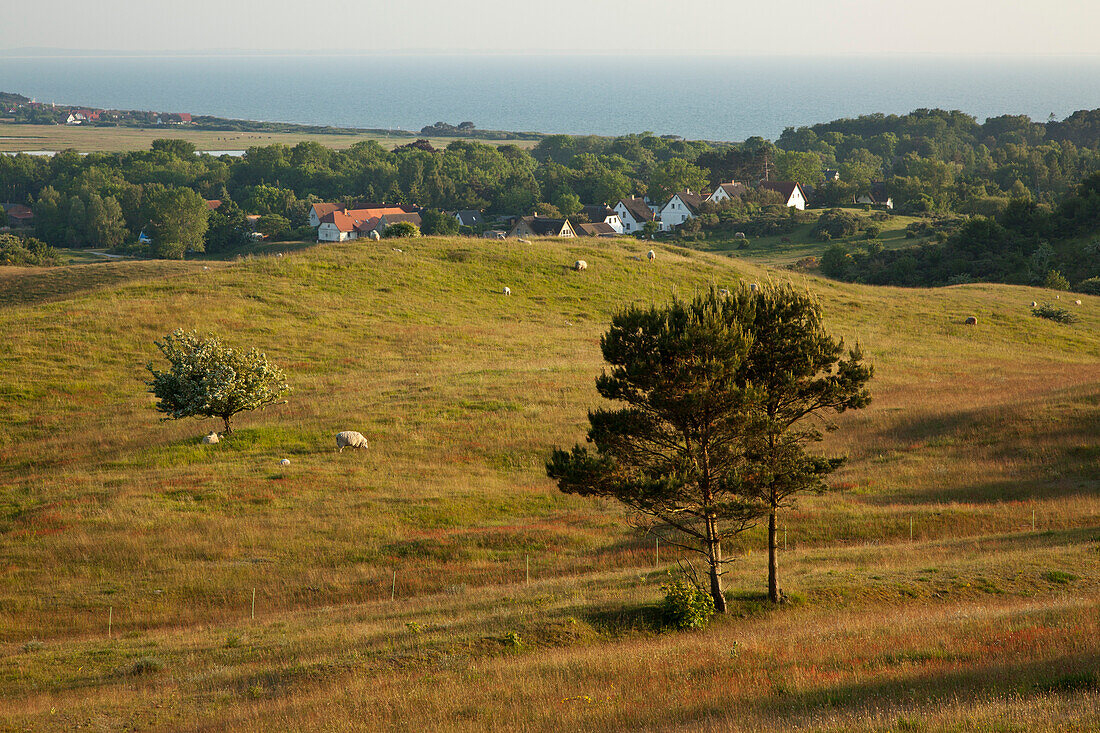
[[225, 419], [714, 556], [774, 595]]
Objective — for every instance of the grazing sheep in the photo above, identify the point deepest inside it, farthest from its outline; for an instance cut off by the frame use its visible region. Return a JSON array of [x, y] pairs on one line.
[[507, 290], [753, 287], [580, 265], [739, 235], [350, 439], [1077, 302], [374, 235], [971, 321], [1034, 304], [650, 255], [284, 462], [210, 439], [525, 241]]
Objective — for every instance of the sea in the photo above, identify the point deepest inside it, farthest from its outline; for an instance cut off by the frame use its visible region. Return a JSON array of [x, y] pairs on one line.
[[699, 97]]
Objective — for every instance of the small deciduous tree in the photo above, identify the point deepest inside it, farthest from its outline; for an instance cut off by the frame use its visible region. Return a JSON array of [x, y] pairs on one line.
[[207, 378], [673, 451], [401, 229]]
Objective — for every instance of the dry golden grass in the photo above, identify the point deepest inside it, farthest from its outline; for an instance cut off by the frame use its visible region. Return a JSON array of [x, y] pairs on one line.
[[973, 432]]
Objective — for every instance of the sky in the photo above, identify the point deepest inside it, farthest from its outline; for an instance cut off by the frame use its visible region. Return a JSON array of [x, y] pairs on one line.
[[726, 27]]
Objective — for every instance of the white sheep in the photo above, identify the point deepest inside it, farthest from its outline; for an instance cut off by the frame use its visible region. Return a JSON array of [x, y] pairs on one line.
[[506, 291], [1033, 304], [350, 439], [753, 287], [650, 255], [210, 439], [580, 265], [284, 462], [1077, 302]]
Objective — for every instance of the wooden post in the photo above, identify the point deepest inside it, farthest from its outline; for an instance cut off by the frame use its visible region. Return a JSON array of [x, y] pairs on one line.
[[910, 529], [527, 558], [657, 555], [110, 619], [393, 588], [253, 604], [1032, 519]]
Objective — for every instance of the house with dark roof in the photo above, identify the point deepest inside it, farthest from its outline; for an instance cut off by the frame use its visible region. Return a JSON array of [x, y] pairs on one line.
[[727, 192], [793, 194], [682, 206], [877, 196], [595, 229], [602, 213], [831, 175], [469, 218], [18, 215], [634, 212], [541, 226]]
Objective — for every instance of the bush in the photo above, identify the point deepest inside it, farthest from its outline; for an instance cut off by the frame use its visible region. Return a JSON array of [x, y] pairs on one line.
[[146, 665], [1055, 281], [1054, 313], [1090, 286], [685, 605], [27, 252], [835, 223], [872, 231], [401, 229]]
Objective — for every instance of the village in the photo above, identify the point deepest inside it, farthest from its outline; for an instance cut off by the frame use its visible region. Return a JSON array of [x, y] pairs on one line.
[[636, 215]]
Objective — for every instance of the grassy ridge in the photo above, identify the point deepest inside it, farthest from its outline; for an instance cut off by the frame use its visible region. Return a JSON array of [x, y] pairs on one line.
[[974, 430]]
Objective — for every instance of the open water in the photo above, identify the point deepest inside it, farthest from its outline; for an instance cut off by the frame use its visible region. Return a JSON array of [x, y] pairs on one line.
[[715, 98]]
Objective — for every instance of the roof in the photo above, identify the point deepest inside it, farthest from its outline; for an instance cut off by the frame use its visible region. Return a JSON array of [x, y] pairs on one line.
[[692, 200], [412, 217], [213, 204], [878, 191], [541, 226], [597, 212], [784, 188], [322, 210], [18, 211], [469, 217], [347, 220], [595, 229], [638, 209], [733, 189]]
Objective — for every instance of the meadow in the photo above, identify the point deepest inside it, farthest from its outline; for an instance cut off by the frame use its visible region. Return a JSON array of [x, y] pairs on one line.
[[16, 138], [949, 582]]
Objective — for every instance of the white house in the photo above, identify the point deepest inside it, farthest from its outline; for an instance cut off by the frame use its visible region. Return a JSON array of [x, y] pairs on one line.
[[681, 207], [633, 213], [320, 210], [603, 214], [792, 193], [727, 192]]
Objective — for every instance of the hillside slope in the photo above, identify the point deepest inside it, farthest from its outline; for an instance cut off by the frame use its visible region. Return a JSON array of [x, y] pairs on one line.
[[104, 511]]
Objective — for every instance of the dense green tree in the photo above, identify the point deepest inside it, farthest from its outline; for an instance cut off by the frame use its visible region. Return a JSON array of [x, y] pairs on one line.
[[438, 222], [177, 221], [400, 229], [273, 226], [676, 175], [799, 375], [673, 451], [106, 226], [226, 228]]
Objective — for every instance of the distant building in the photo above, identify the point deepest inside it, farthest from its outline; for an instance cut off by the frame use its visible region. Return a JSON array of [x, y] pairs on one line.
[[793, 194], [634, 212], [727, 192], [832, 176], [876, 197], [605, 214], [337, 224], [18, 215], [541, 226], [469, 218], [682, 206]]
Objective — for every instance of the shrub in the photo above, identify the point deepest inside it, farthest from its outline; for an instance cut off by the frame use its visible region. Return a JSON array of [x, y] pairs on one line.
[[1054, 313], [401, 229], [1060, 577], [146, 665], [872, 231], [835, 223], [685, 605], [1055, 281], [1090, 286], [25, 252]]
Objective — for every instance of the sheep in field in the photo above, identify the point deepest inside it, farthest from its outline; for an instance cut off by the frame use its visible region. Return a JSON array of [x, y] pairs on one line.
[[1033, 304], [506, 291], [210, 439], [971, 321], [753, 287], [580, 265], [651, 254], [350, 439]]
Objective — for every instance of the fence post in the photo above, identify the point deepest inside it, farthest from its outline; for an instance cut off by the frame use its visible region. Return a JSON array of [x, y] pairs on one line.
[[393, 588], [110, 619], [253, 604]]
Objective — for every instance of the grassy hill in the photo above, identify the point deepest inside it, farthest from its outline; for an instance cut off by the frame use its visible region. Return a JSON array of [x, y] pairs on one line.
[[950, 583]]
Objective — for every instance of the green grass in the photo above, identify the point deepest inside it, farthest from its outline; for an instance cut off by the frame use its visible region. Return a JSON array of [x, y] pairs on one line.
[[107, 512]]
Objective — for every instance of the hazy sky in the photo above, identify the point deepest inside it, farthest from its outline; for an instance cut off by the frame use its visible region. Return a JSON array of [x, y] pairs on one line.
[[736, 27]]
